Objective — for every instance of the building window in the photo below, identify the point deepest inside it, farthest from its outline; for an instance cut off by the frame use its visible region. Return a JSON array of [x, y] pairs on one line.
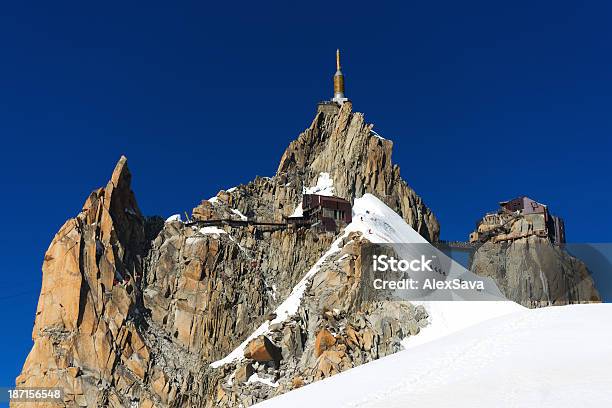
[[327, 213], [334, 214]]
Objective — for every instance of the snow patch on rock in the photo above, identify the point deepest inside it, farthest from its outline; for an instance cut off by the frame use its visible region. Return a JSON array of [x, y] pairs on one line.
[[175, 217], [256, 378], [373, 133], [239, 214], [325, 186], [212, 230], [298, 212]]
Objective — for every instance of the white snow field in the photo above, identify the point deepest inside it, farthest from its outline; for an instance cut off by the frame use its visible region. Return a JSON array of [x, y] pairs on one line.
[[446, 317], [550, 357]]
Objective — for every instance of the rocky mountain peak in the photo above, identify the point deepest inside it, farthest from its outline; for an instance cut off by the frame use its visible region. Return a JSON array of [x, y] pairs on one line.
[[119, 187], [341, 144], [135, 309], [90, 286], [121, 177]]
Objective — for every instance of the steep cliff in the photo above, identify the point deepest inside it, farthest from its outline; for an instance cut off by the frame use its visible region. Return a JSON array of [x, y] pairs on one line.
[[529, 269], [134, 309], [86, 324]]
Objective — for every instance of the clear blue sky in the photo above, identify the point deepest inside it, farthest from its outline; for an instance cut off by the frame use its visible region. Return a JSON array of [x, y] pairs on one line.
[[484, 101]]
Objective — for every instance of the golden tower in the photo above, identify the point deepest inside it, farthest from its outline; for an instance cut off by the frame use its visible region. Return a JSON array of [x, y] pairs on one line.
[[339, 82]]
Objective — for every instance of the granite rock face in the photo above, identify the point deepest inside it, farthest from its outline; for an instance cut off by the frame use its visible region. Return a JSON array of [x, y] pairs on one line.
[[86, 324], [358, 161], [335, 329], [531, 270], [135, 309]]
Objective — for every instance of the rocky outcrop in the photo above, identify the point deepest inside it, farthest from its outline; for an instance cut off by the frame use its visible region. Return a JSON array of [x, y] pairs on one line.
[[263, 350], [86, 320], [359, 162], [343, 145], [529, 269], [134, 309]]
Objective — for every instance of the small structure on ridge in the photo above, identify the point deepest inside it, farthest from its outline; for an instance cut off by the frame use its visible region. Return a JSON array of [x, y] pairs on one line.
[[332, 106], [504, 225], [326, 213]]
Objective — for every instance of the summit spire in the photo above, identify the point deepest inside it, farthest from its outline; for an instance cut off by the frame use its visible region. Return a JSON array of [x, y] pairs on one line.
[[339, 82]]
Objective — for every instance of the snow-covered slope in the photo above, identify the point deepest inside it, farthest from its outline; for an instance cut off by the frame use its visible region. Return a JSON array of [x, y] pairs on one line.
[[447, 317], [550, 357], [290, 305], [380, 224]]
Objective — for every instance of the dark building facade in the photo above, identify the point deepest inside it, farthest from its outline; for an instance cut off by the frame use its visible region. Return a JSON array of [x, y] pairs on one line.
[[326, 213], [555, 227], [524, 204]]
